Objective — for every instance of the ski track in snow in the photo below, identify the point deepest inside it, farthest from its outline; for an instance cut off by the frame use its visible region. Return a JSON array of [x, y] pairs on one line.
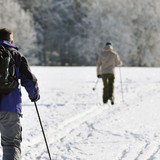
[[144, 151], [70, 125]]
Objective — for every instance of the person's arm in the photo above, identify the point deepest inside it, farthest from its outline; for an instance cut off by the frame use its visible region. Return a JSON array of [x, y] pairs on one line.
[[28, 80], [118, 62]]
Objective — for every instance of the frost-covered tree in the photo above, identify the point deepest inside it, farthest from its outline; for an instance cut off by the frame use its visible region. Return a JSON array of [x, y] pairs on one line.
[[132, 26], [12, 16], [73, 32], [61, 25]]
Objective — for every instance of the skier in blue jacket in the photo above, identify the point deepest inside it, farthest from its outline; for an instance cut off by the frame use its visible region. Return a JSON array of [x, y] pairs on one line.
[[11, 104]]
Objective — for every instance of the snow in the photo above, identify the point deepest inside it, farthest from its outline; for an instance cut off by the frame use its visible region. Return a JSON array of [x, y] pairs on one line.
[[79, 127]]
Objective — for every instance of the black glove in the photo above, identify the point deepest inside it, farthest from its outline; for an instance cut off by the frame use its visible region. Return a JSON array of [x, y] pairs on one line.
[[36, 98], [99, 76]]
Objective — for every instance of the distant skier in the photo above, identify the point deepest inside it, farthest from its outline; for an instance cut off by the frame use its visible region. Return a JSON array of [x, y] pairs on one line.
[[107, 61]]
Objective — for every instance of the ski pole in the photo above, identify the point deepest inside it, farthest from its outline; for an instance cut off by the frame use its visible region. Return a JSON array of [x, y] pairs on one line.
[[42, 130], [94, 88], [121, 83]]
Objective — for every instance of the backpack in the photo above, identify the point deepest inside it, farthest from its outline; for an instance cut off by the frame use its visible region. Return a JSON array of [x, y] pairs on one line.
[[8, 80]]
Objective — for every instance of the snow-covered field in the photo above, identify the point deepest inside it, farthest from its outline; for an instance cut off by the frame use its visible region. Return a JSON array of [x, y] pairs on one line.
[[79, 127]]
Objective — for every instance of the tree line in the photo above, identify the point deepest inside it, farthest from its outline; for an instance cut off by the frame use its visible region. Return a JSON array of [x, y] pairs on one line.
[[73, 32]]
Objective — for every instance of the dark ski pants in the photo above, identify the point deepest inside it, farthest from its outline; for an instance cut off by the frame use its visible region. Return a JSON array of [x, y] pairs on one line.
[[11, 138], [108, 84]]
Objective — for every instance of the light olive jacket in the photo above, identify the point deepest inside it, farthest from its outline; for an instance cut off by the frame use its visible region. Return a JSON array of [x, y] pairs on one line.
[[107, 61]]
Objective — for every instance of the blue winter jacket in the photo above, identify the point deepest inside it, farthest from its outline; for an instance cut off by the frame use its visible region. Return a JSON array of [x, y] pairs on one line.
[[12, 102]]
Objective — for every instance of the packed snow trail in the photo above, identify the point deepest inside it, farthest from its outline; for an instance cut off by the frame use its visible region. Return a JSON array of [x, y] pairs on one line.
[[69, 125]]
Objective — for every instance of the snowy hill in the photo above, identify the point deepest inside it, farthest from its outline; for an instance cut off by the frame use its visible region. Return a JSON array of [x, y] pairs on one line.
[[79, 127]]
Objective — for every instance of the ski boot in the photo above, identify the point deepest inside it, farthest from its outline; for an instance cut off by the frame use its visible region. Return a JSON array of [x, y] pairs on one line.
[[105, 101], [112, 100]]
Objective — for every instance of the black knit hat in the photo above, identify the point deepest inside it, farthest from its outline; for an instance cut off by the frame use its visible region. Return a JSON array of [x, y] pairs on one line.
[[108, 44]]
